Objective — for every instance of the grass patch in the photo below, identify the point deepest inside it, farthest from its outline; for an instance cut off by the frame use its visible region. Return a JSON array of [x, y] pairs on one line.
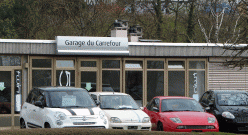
[[90, 131]]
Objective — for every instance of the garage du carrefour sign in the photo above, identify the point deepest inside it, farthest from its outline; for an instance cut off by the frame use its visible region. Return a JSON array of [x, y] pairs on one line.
[[73, 45]]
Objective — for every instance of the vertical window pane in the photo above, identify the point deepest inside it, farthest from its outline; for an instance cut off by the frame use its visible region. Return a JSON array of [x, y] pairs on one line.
[[5, 92], [155, 64], [41, 78], [134, 64], [197, 64], [10, 61], [88, 63], [176, 64], [176, 83], [88, 80], [110, 64], [64, 63], [196, 84], [155, 84], [134, 85], [65, 78], [44, 63], [111, 81], [18, 91]]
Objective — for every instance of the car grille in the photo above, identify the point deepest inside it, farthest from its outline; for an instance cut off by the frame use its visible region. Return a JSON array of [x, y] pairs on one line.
[[242, 120], [82, 118], [132, 127], [84, 123], [243, 128], [196, 127]]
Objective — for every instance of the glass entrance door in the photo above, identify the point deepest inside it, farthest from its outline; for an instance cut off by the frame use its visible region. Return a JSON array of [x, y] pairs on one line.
[[5, 92]]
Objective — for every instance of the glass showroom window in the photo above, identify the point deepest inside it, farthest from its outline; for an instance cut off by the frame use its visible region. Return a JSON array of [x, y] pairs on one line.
[[111, 75], [196, 79], [41, 72], [134, 80], [155, 79], [65, 72], [176, 78]]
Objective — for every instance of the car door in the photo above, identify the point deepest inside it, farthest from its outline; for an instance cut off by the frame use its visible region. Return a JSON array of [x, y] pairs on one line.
[[154, 114], [32, 123], [38, 111]]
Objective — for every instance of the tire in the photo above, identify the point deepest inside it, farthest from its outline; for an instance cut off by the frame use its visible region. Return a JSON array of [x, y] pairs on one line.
[[22, 124], [160, 127], [47, 125]]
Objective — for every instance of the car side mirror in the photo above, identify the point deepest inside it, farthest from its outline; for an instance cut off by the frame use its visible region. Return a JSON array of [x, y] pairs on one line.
[[207, 108], [210, 104], [97, 102], [155, 109], [38, 103], [142, 108]]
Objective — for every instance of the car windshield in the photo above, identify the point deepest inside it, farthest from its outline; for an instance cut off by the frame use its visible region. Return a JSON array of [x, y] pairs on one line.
[[117, 102], [70, 99], [233, 99], [180, 105]]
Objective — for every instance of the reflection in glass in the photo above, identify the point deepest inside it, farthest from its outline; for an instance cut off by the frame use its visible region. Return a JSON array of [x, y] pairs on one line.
[[10, 61], [134, 64], [111, 81], [155, 84], [41, 78], [88, 63], [196, 84], [88, 80], [111, 64], [65, 78], [176, 64], [155, 64], [18, 91], [180, 105], [134, 85], [42, 63], [5, 92], [197, 65], [117, 102], [176, 83], [64, 63]]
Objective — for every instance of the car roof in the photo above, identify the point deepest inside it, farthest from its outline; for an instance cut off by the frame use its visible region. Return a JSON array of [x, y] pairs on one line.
[[58, 88], [173, 97], [108, 93], [229, 91]]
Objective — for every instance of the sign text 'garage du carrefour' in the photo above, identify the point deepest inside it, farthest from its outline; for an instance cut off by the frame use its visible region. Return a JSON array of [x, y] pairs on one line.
[[72, 45]]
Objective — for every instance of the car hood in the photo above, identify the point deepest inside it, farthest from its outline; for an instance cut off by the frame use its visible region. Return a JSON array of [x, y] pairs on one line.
[[237, 111], [189, 117], [77, 111], [126, 116]]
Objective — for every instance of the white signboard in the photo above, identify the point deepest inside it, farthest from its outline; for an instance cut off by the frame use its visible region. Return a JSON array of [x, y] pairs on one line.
[[73, 45], [68, 101]]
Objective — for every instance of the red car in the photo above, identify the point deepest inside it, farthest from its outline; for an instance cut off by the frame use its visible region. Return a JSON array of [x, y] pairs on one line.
[[179, 114]]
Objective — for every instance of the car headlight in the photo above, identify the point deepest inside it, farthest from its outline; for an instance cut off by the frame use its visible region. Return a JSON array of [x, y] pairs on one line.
[[211, 120], [176, 120], [146, 120], [101, 113], [228, 115], [115, 120], [60, 116]]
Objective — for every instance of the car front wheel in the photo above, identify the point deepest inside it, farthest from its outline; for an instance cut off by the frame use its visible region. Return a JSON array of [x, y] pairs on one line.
[[47, 125], [22, 124], [160, 127]]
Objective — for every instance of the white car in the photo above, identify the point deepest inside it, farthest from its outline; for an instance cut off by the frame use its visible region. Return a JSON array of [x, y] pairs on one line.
[[61, 107], [122, 111]]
